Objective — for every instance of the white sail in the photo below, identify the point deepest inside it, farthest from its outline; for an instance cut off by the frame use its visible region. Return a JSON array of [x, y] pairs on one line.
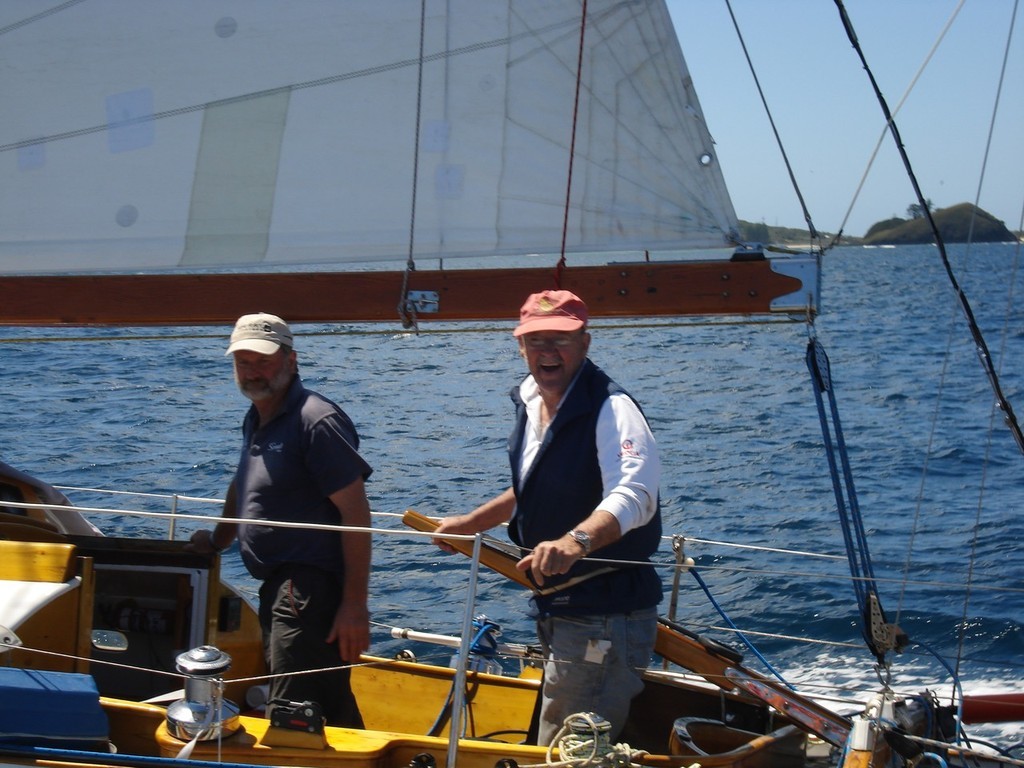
[[156, 135]]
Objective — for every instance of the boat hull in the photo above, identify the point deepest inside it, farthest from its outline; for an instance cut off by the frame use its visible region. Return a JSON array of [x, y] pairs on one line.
[[403, 692]]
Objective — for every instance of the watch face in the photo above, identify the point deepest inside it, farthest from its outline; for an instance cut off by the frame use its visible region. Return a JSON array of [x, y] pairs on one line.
[[583, 539]]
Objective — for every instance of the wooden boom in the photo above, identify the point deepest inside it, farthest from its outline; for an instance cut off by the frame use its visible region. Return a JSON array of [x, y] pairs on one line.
[[636, 289]]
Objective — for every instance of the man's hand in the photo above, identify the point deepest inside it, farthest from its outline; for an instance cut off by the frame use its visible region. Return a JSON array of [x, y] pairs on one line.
[[351, 631], [455, 524], [202, 542], [551, 558]]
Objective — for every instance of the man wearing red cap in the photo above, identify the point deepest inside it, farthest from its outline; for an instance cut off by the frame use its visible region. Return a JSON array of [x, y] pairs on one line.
[[585, 475]]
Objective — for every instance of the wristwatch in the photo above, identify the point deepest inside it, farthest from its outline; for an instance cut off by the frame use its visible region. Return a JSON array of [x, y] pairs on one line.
[[582, 538]]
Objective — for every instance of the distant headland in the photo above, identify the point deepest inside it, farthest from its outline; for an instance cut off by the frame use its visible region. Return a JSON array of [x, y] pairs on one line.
[[958, 224]]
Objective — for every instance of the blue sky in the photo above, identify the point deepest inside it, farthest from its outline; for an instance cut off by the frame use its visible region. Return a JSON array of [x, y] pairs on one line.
[[829, 119]]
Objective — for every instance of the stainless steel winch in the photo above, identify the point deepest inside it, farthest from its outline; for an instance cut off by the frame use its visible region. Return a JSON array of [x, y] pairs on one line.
[[203, 714]]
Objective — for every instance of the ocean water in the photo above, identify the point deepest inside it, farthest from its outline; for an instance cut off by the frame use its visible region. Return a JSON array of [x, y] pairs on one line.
[[938, 477]]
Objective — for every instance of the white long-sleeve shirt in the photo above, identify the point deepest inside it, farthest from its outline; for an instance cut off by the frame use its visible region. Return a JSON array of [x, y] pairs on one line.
[[626, 450]]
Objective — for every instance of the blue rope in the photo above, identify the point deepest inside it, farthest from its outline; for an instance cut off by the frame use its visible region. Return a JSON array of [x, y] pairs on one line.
[[485, 641], [737, 630], [846, 496]]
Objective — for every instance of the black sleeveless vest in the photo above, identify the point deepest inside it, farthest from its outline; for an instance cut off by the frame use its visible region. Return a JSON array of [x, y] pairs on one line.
[[562, 488]]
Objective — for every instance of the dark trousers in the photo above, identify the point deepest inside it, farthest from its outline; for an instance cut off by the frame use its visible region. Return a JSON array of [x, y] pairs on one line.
[[297, 608]]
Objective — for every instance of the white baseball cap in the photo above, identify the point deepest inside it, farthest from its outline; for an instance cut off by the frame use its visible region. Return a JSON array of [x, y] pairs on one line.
[[261, 332]]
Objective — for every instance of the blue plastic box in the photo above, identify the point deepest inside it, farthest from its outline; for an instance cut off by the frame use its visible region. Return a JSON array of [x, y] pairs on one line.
[[51, 709]]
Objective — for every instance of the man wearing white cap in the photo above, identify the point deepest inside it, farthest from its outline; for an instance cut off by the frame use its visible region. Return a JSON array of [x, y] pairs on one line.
[[299, 463], [585, 473]]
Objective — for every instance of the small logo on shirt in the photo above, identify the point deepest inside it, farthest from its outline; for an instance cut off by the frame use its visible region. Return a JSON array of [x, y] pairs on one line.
[[275, 447], [628, 449]]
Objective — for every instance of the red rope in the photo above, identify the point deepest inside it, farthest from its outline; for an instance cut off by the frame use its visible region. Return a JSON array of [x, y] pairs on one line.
[[572, 148]]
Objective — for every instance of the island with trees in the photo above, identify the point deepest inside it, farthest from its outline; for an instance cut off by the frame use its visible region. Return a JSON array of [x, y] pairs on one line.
[[959, 223]]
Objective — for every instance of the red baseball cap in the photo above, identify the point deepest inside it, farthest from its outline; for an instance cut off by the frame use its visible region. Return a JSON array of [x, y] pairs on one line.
[[551, 311]]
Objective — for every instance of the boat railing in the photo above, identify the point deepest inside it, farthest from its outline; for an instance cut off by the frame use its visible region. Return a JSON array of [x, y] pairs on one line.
[[173, 520], [176, 519], [173, 516], [174, 500]]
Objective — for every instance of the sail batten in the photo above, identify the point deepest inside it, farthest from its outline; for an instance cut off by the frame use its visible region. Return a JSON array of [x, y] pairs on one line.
[[257, 133]]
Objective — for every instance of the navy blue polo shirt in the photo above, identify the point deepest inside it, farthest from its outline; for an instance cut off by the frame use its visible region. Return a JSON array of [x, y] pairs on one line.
[[287, 470]]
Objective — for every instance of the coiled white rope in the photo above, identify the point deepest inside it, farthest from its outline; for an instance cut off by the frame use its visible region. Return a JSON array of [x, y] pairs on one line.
[[583, 741]]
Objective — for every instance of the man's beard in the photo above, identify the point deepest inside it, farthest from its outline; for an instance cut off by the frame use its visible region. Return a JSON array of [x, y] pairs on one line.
[[264, 389]]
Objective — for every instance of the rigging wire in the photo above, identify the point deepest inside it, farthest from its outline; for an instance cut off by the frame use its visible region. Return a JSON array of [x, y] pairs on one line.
[[992, 120], [899, 106], [983, 352], [815, 237], [961, 634], [406, 309], [1001, 402], [560, 267]]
